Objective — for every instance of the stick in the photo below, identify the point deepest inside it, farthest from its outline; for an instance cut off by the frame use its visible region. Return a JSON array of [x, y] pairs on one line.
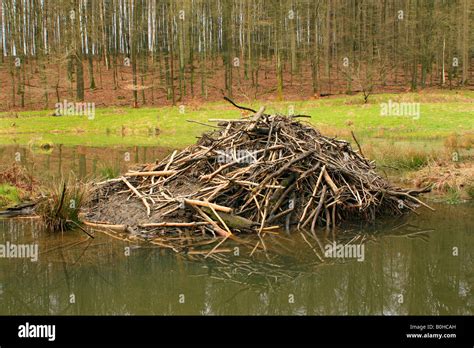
[[358, 145], [171, 159], [331, 183], [220, 219], [154, 173], [219, 230], [208, 204], [312, 196], [174, 224], [81, 228], [255, 119], [148, 209], [238, 106], [119, 228], [285, 167], [230, 120], [202, 123], [413, 198]]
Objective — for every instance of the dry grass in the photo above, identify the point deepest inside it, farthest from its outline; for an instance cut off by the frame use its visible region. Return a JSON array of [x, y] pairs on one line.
[[17, 176], [447, 177], [456, 142]]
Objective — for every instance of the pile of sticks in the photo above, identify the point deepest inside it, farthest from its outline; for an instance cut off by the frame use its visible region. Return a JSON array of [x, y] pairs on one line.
[[264, 174]]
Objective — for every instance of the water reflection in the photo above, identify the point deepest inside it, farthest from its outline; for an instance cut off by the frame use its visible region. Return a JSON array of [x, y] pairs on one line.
[[84, 161], [403, 272], [400, 275]]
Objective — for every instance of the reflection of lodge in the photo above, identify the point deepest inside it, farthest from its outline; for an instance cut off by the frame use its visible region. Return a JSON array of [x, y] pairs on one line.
[[149, 281]]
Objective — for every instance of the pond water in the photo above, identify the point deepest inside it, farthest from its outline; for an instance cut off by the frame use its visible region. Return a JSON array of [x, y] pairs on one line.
[[417, 264]]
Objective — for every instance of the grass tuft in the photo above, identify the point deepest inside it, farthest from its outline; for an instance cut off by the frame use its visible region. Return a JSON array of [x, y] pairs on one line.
[[60, 209]]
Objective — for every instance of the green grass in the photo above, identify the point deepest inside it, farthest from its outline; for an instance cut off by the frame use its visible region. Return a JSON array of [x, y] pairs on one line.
[[470, 191], [403, 155], [9, 195], [60, 209], [453, 196], [109, 172], [412, 161], [442, 113]]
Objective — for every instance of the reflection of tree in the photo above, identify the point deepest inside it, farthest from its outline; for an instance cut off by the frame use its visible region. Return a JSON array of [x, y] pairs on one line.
[[150, 280], [80, 160], [416, 288]]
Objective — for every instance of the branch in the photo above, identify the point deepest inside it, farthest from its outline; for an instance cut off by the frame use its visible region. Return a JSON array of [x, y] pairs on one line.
[[237, 106]]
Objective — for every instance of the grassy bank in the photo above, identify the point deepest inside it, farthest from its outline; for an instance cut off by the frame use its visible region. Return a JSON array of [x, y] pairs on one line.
[[442, 114]]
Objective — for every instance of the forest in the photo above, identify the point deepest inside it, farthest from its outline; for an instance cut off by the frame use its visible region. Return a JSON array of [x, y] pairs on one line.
[[138, 52]]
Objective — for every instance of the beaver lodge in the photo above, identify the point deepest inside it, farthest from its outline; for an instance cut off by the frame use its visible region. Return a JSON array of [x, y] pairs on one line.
[[265, 175]]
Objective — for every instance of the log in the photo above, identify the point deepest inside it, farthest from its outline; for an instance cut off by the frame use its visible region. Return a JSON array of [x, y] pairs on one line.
[[208, 204], [233, 221]]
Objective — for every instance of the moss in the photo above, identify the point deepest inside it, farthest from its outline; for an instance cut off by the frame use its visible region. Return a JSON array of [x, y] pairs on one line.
[[9, 195]]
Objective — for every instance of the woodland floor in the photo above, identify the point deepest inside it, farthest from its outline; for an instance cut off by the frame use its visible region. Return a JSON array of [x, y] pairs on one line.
[[205, 88]]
